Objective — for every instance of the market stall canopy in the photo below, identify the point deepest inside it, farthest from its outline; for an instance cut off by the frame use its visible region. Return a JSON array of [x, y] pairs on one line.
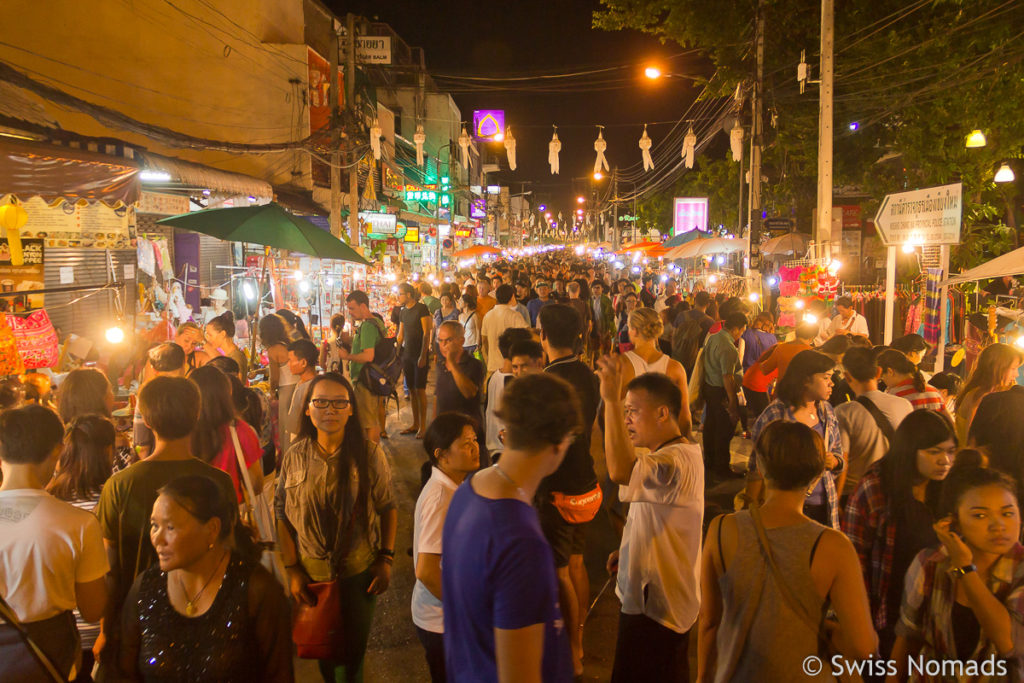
[[199, 176], [269, 225], [790, 243], [639, 246], [476, 251], [32, 169], [1007, 264], [705, 247], [684, 237]]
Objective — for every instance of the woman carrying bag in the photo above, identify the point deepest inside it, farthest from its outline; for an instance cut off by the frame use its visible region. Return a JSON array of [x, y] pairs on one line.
[[336, 522], [769, 575]]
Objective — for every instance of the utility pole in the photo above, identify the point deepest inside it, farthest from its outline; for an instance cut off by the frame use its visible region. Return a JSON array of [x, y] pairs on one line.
[[756, 141], [823, 229], [616, 235], [350, 104], [332, 93]]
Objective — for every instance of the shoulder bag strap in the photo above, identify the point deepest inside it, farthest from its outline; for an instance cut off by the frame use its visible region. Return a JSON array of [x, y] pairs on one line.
[[248, 492], [880, 419], [780, 581], [7, 614]]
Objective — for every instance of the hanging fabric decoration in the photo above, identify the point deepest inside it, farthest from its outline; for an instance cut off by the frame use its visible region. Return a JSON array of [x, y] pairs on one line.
[[35, 338], [554, 147], [736, 141], [370, 189], [510, 148], [689, 147], [464, 141], [419, 138], [600, 146], [645, 150], [375, 135]]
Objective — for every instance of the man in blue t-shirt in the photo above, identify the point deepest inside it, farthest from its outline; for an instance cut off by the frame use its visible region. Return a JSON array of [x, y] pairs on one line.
[[502, 619]]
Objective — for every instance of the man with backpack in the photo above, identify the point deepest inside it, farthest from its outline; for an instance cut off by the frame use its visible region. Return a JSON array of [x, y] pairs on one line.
[[370, 332], [691, 330], [867, 424]]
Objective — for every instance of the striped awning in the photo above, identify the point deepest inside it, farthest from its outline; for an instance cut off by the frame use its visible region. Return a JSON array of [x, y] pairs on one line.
[[193, 175]]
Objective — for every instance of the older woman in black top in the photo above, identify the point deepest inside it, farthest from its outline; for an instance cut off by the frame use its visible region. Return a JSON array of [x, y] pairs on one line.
[[207, 612]]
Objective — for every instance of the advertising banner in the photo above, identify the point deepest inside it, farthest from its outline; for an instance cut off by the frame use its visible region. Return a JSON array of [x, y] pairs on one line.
[[689, 213], [23, 278]]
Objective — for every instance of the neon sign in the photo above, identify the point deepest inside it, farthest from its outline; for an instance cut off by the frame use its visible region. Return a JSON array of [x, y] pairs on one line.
[[487, 123]]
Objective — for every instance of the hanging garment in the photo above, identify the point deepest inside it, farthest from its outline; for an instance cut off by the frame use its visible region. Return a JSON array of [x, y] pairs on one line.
[[10, 359], [36, 339]]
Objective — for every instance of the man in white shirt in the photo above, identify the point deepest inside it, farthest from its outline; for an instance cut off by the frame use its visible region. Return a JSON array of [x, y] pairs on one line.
[[668, 291], [496, 389], [848, 321], [658, 563], [866, 424], [500, 318], [51, 553]]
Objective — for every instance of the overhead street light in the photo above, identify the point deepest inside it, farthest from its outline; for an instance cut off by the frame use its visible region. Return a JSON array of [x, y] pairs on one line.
[[598, 175], [975, 139], [1005, 174], [580, 199], [652, 72]]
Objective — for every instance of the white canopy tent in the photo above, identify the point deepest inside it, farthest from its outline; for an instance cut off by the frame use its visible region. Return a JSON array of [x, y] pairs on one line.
[[1007, 264]]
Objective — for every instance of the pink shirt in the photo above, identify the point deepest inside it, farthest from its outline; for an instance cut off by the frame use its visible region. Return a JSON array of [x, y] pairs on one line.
[[227, 461]]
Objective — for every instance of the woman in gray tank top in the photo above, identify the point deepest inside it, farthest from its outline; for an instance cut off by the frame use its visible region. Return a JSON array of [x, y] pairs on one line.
[[756, 621]]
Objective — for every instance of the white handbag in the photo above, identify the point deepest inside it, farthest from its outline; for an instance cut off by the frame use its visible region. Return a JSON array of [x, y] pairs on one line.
[[256, 509]]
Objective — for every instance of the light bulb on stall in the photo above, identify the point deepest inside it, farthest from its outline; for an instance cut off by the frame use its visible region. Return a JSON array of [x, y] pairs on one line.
[[304, 287], [249, 292], [713, 279], [115, 335], [754, 297], [298, 275], [799, 305], [810, 319]]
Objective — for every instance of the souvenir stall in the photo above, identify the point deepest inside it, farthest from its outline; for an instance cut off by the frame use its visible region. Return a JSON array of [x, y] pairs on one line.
[[800, 282], [67, 230]]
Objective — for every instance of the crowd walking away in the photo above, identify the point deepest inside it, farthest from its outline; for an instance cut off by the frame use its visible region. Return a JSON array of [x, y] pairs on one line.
[[454, 463]]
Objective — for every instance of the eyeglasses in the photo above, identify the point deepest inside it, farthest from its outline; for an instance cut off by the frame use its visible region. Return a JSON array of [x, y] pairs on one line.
[[336, 403]]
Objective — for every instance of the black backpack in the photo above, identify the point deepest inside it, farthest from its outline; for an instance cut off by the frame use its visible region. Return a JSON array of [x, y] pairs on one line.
[[380, 377], [687, 340]]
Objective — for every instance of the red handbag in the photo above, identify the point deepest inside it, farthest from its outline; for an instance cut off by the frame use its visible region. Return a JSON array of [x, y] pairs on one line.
[[35, 338], [317, 631]]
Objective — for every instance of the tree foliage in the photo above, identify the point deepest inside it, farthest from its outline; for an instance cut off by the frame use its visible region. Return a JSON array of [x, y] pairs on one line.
[[915, 76]]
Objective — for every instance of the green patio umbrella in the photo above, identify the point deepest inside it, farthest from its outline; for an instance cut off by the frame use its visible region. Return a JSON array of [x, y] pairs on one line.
[[268, 225]]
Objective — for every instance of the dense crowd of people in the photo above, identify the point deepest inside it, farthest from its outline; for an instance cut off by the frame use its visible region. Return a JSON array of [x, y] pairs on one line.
[[240, 510]]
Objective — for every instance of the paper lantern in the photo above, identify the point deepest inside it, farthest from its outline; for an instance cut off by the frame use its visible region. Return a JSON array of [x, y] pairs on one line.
[[12, 218], [600, 146], [645, 150], [554, 147]]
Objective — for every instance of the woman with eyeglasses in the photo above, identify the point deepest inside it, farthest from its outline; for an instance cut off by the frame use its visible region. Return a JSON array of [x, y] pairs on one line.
[[336, 516]]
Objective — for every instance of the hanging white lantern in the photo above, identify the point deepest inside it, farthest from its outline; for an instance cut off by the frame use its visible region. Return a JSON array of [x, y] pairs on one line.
[[554, 147], [375, 135], [736, 141], [600, 146], [419, 138], [510, 148], [689, 148], [464, 141], [645, 150]]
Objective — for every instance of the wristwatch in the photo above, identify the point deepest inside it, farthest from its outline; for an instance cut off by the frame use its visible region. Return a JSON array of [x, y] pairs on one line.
[[960, 572]]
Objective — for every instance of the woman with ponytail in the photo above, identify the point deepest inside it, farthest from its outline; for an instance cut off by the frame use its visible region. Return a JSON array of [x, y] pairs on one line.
[[220, 336], [902, 378], [964, 599]]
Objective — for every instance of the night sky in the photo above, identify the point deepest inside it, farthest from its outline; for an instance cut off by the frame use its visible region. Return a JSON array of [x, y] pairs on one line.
[[534, 36]]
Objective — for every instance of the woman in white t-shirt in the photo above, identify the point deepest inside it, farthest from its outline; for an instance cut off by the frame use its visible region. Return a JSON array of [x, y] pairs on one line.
[[453, 450]]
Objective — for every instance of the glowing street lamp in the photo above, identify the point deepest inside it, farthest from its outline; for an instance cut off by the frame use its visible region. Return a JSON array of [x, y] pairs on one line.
[[598, 175], [975, 139], [1005, 174], [580, 199], [652, 72]]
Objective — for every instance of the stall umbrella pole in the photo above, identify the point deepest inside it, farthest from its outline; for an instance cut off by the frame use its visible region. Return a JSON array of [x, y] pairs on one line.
[[259, 302]]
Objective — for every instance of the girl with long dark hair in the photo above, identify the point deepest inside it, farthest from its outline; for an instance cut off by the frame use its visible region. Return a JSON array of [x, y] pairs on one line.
[[902, 378], [801, 395], [336, 516], [212, 439], [963, 599], [890, 514]]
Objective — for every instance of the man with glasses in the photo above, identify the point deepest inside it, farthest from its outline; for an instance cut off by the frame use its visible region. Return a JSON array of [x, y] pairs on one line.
[[460, 378]]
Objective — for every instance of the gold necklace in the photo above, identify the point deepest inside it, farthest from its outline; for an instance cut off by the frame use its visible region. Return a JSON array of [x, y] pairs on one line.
[[190, 605]]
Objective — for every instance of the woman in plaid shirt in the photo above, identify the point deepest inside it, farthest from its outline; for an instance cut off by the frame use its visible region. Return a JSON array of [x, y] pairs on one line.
[[890, 514], [963, 606]]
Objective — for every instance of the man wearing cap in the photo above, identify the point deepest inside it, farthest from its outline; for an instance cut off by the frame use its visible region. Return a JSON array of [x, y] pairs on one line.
[[543, 288]]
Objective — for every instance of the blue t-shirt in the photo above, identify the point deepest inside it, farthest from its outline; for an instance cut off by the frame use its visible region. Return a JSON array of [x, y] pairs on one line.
[[498, 573]]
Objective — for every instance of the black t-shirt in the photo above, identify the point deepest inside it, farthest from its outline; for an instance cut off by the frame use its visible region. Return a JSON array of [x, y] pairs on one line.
[[412, 342], [576, 473], [449, 398]]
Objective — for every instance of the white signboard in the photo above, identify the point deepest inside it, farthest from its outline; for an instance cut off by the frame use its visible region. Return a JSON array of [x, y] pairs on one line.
[[922, 217], [379, 223], [371, 49]]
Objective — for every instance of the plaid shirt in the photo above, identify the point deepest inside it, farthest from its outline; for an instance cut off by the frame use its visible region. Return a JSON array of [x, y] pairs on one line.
[[927, 612], [869, 525], [779, 410]]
